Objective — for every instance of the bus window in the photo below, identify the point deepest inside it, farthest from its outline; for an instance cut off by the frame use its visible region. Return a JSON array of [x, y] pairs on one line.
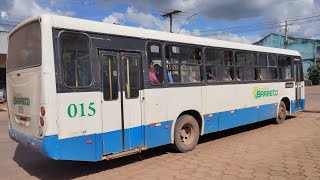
[[184, 64], [75, 60], [219, 65], [272, 67], [246, 66], [263, 64], [285, 67], [110, 77], [155, 63]]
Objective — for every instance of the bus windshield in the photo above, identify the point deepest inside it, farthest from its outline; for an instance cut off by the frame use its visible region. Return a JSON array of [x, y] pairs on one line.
[[25, 47]]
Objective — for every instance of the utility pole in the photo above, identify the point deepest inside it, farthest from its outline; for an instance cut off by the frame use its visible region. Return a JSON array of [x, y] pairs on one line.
[[170, 15], [286, 35]]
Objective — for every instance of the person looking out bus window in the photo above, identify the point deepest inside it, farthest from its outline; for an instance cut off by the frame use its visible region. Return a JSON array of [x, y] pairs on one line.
[[227, 76], [192, 77], [152, 76]]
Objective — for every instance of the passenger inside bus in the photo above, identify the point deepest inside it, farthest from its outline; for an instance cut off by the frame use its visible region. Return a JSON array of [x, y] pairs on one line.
[[158, 72], [211, 78], [152, 76], [192, 77], [227, 76]]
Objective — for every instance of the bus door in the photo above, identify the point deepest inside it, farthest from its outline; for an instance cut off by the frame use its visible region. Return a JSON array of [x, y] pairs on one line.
[[121, 105], [299, 83]]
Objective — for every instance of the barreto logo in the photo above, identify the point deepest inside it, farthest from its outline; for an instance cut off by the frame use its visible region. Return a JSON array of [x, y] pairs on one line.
[[264, 92]]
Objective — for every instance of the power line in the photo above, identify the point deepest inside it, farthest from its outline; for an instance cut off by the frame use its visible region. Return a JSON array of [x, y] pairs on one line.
[[187, 20], [267, 24]]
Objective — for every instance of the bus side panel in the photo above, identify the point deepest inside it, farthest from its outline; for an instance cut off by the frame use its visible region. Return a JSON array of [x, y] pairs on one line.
[[181, 99], [155, 117], [268, 111], [79, 126]]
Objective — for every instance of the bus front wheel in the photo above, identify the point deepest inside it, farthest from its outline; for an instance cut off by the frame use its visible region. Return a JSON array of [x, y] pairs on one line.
[[282, 113], [186, 133]]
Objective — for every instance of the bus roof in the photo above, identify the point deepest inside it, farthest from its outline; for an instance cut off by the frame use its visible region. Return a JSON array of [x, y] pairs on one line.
[[63, 22]]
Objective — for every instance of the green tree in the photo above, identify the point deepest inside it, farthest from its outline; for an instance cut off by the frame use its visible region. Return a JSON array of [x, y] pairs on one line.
[[314, 74]]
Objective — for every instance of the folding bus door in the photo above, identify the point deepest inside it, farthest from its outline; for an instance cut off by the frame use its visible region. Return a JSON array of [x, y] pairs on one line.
[[121, 105]]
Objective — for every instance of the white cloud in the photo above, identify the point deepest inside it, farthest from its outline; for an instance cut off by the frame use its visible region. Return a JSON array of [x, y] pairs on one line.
[[230, 11], [19, 10], [147, 21], [114, 18], [25, 9], [3, 14], [233, 37]]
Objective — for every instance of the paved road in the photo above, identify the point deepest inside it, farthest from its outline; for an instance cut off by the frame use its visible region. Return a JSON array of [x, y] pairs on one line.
[[258, 151]]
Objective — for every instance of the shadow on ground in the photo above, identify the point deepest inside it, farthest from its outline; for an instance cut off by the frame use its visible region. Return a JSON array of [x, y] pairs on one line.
[[312, 111], [43, 168]]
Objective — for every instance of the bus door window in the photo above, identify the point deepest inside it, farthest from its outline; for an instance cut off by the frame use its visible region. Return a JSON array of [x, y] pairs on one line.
[[75, 60], [110, 77], [131, 76], [155, 63]]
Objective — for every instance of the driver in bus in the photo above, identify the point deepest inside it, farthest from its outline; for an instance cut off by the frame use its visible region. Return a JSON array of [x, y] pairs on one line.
[[152, 76]]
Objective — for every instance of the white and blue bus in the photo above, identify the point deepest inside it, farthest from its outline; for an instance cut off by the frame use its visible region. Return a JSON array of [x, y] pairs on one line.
[[89, 91]]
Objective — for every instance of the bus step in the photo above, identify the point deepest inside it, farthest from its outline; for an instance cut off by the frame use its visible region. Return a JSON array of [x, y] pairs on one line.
[[122, 154]]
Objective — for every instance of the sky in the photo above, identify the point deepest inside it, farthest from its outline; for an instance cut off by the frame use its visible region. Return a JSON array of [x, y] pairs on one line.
[[245, 21]]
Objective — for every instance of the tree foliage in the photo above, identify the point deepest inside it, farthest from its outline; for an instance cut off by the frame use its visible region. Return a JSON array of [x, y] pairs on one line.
[[314, 74]]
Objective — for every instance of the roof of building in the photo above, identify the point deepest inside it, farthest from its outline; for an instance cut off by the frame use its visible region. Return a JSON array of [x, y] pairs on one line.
[[289, 37]]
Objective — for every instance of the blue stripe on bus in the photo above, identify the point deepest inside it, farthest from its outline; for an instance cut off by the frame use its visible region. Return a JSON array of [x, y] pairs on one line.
[[77, 148], [293, 105], [158, 134], [230, 119], [152, 135]]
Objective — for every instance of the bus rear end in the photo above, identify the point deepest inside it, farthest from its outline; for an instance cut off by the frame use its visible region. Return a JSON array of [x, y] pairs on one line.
[[24, 80], [24, 74]]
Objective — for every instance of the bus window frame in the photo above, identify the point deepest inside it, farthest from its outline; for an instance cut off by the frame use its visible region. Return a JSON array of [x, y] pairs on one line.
[[240, 81], [147, 51], [60, 58], [233, 81], [291, 66], [200, 83], [41, 44]]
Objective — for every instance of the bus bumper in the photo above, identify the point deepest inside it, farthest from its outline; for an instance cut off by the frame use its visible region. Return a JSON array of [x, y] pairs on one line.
[[76, 148]]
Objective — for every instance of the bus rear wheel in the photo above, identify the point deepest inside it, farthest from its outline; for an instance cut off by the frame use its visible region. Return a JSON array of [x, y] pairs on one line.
[[186, 133], [282, 113]]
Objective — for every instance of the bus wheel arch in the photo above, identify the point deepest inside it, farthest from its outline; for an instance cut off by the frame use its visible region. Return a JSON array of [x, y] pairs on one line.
[[195, 114], [282, 110], [286, 101]]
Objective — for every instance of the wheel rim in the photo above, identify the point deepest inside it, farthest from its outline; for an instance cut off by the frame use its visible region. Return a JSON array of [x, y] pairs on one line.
[[187, 134], [282, 113]]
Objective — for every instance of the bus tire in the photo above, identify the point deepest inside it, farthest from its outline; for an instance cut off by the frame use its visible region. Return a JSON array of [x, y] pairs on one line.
[[186, 133], [281, 114]]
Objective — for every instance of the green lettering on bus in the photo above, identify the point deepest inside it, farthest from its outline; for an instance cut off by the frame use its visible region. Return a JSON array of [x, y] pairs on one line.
[[75, 110], [264, 92], [92, 109], [82, 109]]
